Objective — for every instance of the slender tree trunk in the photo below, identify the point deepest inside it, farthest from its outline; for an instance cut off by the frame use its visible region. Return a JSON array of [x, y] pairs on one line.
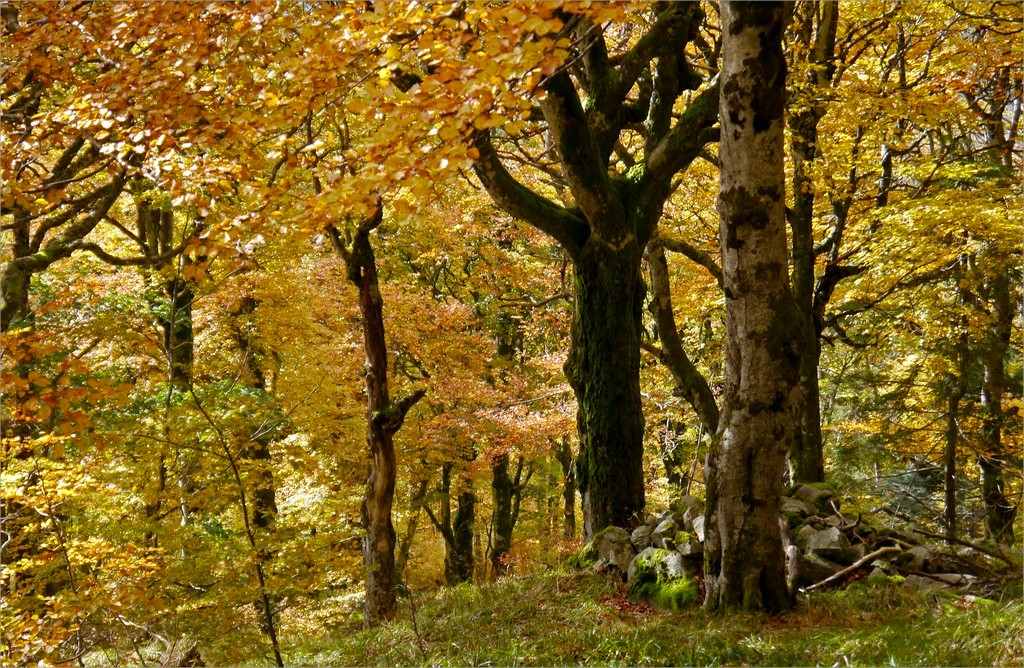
[[745, 563], [690, 383], [405, 544], [503, 488], [384, 417], [457, 530], [508, 491], [604, 370], [999, 511], [460, 558], [806, 460], [564, 457]]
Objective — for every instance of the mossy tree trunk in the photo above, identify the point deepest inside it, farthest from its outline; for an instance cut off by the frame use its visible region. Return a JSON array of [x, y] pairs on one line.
[[384, 417], [744, 559], [612, 213], [456, 530], [508, 494]]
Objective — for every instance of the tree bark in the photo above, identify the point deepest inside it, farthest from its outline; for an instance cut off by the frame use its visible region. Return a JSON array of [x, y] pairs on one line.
[[456, 531], [384, 417], [603, 369], [745, 563]]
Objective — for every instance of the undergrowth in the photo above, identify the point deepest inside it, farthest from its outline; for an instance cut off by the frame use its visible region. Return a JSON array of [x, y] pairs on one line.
[[576, 618]]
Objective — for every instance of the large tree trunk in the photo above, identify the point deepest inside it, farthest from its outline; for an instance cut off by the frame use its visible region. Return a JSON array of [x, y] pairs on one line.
[[604, 370], [745, 563], [384, 417]]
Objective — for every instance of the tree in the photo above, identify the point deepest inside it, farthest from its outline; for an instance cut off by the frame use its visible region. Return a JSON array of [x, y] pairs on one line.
[[384, 417], [592, 114], [744, 562]]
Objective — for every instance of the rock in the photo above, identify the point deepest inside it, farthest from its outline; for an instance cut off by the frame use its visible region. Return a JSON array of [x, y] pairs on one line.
[[688, 545], [854, 553], [878, 578], [916, 558], [684, 504], [664, 533], [812, 569], [803, 536], [828, 543], [613, 549], [959, 579], [641, 537], [924, 584], [658, 576], [818, 495], [698, 527], [795, 510]]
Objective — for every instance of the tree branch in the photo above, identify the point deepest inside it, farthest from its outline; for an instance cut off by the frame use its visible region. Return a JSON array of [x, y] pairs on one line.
[[677, 245], [565, 227]]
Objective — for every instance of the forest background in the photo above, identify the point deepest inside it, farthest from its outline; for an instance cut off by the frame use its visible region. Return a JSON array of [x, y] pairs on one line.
[[248, 246]]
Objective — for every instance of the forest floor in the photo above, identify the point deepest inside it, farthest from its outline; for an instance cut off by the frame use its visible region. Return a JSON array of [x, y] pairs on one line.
[[577, 617]]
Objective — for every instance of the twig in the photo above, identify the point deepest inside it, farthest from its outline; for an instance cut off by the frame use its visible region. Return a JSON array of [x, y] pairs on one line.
[[857, 564], [966, 543]]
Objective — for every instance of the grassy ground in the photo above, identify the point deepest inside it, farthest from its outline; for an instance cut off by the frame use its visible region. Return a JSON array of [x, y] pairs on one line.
[[576, 618]]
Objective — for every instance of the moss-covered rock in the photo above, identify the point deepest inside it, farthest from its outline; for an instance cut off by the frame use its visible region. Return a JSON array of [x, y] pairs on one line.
[[656, 576]]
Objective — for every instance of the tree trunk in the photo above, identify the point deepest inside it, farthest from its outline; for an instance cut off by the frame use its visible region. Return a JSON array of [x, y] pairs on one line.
[[604, 231], [806, 461], [405, 544], [456, 531], [459, 560], [604, 370], [954, 387], [999, 511], [508, 492], [745, 563], [384, 417], [504, 488], [564, 457], [690, 383]]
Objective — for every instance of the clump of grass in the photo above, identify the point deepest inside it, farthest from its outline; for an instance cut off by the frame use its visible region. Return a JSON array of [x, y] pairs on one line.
[[563, 618]]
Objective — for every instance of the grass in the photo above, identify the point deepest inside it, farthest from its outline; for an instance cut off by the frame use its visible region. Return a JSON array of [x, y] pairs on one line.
[[575, 618]]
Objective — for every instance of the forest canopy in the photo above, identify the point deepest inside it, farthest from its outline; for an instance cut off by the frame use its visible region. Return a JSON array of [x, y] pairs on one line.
[[309, 306]]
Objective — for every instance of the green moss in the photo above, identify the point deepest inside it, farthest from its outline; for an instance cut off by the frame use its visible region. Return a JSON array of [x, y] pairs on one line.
[[879, 580], [585, 559], [676, 595], [656, 588]]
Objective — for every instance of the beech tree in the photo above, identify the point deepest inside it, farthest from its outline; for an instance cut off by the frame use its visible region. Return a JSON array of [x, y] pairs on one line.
[[384, 417], [593, 112], [744, 562]]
